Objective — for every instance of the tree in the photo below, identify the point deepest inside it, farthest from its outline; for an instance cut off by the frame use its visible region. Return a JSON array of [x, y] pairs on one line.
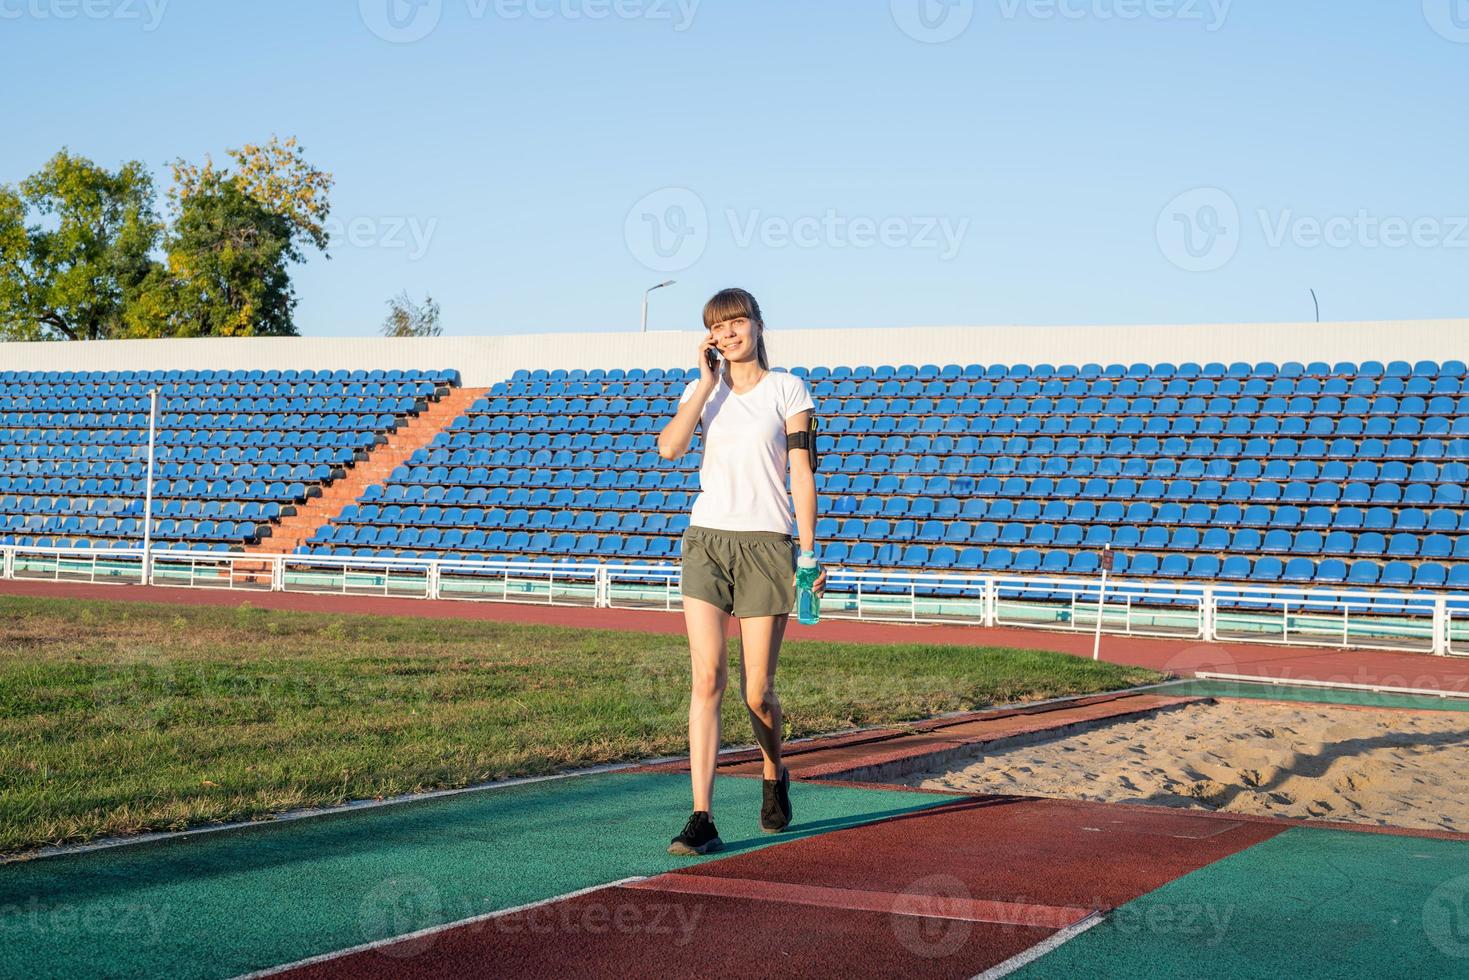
[[278, 176], [407, 319], [72, 274], [226, 273], [233, 237]]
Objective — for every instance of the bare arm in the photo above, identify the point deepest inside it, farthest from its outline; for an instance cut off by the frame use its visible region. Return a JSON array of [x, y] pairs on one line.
[[677, 435], [803, 484]]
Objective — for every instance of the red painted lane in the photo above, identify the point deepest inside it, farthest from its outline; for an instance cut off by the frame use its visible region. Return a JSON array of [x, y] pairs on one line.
[[806, 908], [1021, 850], [618, 933], [922, 905]]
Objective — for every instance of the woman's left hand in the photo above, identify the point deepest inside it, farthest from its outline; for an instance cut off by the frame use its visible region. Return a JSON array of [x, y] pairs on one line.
[[820, 585]]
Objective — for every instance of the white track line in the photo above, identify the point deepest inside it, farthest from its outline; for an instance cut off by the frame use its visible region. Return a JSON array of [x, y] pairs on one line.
[[1040, 949], [430, 931]]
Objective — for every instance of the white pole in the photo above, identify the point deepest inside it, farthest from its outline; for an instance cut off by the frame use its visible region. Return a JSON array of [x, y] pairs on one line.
[[148, 489], [1101, 594], [645, 301]]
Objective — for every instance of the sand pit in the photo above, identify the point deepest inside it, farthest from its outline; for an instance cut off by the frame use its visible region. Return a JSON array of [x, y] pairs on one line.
[[1375, 766]]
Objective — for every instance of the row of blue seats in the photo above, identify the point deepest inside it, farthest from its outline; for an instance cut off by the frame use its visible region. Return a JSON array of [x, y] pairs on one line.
[[229, 397], [225, 415], [1110, 425], [128, 543], [503, 430], [1273, 432], [1194, 515], [396, 493], [210, 376], [1065, 415], [583, 451], [1389, 482], [109, 461], [1065, 398], [218, 440], [407, 480], [242, 490], [1163, 369], [164, 530], [91, 486], [175, 425], [1182, 491], [1310, 389], [1157, 538], [947, 508], [254, 511], [472, 431], [197, 397]]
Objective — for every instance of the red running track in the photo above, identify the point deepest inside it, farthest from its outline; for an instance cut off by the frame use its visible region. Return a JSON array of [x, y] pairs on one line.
[[1182, 657], [947, 892]]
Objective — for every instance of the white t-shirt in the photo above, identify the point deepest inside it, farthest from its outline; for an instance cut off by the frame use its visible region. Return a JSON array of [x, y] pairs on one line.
[[742, 477]]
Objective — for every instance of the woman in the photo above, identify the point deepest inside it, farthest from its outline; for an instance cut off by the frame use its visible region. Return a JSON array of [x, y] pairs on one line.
[[738, 557]]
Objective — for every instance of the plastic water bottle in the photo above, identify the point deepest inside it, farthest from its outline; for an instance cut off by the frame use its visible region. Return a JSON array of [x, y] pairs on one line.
[[808, 603]]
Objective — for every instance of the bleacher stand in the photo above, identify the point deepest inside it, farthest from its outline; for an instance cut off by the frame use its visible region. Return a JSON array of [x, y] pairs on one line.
[[1292, 474], [235, 449]]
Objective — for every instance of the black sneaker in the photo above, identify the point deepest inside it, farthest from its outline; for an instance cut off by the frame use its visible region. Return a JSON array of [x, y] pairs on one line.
[[775, 810], [698, 836]]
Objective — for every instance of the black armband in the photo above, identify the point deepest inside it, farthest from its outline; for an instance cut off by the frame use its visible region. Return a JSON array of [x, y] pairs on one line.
[[804, 440]]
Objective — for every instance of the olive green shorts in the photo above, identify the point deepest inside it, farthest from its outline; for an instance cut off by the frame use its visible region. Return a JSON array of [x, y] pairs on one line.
[[746, 573]]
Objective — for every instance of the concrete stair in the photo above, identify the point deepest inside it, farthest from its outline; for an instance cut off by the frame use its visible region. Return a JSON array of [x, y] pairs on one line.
[[416, 432]]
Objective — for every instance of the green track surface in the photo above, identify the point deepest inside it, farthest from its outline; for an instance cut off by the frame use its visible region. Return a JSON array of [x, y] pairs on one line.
[[225, 903], [1317, 695], [1305, 904]]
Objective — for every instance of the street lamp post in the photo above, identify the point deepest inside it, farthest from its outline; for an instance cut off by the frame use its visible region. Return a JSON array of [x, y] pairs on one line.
[[645, 300]]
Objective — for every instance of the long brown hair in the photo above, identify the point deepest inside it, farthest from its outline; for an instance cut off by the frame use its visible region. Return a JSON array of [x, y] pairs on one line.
[[731, 304]]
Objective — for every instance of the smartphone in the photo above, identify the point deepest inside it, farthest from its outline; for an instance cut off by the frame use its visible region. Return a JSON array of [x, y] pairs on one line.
[[712, 358]]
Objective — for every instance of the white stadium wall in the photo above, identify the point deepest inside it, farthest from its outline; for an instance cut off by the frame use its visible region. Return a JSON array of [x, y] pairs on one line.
[[482, 361]]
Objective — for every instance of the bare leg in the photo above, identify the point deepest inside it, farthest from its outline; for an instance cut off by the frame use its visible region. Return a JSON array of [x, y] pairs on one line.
[[708, 626], [760, 639]]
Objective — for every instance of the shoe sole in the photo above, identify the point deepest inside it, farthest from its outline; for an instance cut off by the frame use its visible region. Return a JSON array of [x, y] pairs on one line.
[[689, 851]]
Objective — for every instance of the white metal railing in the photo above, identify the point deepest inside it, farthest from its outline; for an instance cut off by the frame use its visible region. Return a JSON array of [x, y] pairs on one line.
[[1423, 622]]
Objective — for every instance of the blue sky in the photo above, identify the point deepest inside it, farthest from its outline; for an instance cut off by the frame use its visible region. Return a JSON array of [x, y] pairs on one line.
[[535, 164]]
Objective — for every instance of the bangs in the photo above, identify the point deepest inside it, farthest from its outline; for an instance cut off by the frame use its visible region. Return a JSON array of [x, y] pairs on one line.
[[730, 304]]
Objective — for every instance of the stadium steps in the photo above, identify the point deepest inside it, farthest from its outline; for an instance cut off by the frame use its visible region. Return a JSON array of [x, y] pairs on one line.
[[417, 432]]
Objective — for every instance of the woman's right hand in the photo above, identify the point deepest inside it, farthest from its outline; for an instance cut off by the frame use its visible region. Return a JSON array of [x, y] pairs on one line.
[[708, 376]]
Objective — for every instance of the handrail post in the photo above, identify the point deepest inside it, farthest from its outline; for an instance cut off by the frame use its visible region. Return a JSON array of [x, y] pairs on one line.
[[433, 580], [7, 566], [1440, 626], [1207, 625], [278, 573]]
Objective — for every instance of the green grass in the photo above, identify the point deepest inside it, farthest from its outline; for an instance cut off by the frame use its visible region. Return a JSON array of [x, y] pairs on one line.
[[121, 717]]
